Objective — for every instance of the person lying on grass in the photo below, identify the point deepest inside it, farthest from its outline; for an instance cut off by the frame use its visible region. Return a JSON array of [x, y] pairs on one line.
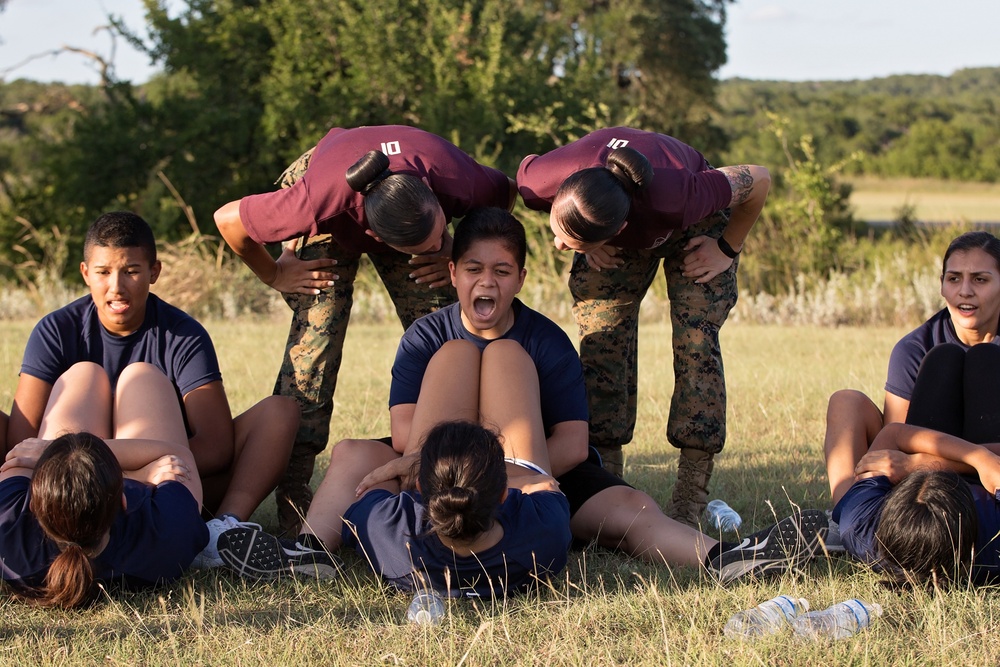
[[108, 493], [120, 323], [921, 505], [488, 271]]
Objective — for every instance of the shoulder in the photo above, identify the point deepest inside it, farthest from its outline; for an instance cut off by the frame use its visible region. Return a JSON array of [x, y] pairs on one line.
[[68, 319]]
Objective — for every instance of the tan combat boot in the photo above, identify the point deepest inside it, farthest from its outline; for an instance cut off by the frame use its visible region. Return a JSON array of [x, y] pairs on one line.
[[694, 469], [612, 459]]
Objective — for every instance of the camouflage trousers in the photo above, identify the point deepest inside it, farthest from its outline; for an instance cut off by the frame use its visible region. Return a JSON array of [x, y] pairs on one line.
[[314, 351], [606, 306]]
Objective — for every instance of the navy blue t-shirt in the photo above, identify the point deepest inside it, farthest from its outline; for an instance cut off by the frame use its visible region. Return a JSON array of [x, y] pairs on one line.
[[152, 541], [909, 352], [389, 531], [560, 373], [169, 339], [859, 510]]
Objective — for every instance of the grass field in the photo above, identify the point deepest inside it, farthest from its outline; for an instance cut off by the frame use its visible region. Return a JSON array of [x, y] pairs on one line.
[[932, 200], [605, 609]]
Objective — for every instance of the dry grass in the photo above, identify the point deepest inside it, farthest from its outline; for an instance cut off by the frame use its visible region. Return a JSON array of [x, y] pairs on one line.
[[606, 609]]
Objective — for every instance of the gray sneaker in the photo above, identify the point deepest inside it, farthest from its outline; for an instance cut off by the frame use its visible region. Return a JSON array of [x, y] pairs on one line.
[[255, 554], [786, 545]]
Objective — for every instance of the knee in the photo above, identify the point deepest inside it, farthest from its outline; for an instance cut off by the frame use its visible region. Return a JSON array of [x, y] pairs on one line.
[[347, 450], [847, 402]]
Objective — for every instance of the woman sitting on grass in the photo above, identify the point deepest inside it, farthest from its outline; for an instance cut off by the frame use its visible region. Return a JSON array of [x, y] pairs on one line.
[[970, 285], [915, 507], [107, 494]]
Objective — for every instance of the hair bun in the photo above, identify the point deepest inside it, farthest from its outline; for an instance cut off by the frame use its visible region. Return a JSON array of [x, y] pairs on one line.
[[368, 172], [630, 168]]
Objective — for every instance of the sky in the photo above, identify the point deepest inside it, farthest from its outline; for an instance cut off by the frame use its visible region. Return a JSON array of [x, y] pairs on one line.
[[790, 40]]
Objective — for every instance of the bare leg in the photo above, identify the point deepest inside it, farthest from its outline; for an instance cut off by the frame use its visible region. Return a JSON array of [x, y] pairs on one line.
[[80, 401], [627, 519], [852, 422], [146, 406], [350, 462], [264, 436], [510, 402], [449, 390]]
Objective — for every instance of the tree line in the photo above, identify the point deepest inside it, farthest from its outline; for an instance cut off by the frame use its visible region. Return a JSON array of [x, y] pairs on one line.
[[250, 84]]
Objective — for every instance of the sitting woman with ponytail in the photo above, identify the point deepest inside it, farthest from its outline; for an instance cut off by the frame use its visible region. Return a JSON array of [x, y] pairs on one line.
[[624, 200], [385, 191], [107, 494]]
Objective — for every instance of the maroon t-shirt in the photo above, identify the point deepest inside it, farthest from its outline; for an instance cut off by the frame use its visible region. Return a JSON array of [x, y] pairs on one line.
[[322, 202], [683, 191]]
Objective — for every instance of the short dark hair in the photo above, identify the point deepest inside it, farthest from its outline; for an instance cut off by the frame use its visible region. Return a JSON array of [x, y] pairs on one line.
[[928, 529], [973, 241], [591, 204], [463, 477], [120, 229], [401, 209], [489, 224], [76, 493]]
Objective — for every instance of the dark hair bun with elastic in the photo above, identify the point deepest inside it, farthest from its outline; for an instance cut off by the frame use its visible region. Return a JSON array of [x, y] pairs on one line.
[[630, 168], [368, 172]]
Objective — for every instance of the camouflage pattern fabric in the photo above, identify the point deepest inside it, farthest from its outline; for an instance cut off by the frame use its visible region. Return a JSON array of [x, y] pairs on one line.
[[606, 306], [314, 349]]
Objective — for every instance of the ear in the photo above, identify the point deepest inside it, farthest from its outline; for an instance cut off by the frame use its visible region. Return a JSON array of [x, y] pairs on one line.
[[451, 270], [520, 282], [622, 228], [154, 271], [84, 273], [374, 235]]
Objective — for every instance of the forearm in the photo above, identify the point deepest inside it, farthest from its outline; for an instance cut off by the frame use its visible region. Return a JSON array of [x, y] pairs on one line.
[[136, 453], [750, 184], [917, 440], [253, 254]]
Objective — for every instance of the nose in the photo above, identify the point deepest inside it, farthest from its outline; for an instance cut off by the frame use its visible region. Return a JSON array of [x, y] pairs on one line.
[[966, 288], [560, 244]]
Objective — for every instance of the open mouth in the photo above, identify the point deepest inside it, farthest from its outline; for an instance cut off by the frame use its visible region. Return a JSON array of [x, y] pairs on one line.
[[967, 309], [118, 306], [484, 306]]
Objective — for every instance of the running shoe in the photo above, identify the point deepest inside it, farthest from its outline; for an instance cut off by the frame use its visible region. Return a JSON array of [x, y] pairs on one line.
[[255, 554], [209, 556], [786, 545]]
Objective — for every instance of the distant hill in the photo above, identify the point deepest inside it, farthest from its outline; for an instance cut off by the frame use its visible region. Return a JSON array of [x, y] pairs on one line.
[[901, 126]]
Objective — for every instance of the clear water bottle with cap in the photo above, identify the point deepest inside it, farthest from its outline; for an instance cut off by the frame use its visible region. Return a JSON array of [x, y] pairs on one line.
[[722, 516], [839, 621], [427, 608], [766, 618]]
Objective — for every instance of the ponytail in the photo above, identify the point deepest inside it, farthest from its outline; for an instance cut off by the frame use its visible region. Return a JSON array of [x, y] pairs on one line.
[[591, 205], [400, 208], [70, 580]]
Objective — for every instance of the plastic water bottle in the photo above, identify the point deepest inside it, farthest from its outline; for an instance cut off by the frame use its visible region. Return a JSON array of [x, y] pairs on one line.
[[839, 621], [766, 618], [427, 608], [722, 516]]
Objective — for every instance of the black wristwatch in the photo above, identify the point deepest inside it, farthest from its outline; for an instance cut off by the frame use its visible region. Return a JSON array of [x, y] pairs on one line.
[[727, 249]]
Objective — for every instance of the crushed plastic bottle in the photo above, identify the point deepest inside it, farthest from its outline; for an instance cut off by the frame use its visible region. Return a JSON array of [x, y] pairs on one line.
[[427, 608], [839, 621], [766, 618], [722, 516]]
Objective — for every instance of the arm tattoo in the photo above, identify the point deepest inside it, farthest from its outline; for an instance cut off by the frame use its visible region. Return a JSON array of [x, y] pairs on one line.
[[740, 181]]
